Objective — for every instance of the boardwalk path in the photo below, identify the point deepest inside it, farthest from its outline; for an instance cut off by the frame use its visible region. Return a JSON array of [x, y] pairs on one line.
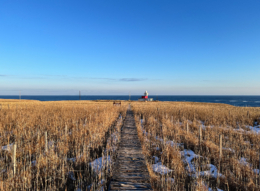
[[130, 169]]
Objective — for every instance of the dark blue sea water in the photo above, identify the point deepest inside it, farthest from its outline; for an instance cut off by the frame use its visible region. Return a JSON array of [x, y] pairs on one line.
[[252, 101]]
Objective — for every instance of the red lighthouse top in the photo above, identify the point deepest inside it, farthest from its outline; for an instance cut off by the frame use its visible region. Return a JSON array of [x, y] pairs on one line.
[[145, 95]]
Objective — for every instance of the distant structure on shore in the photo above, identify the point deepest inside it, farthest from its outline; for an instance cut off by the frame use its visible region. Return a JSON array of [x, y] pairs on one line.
[[145, 97]]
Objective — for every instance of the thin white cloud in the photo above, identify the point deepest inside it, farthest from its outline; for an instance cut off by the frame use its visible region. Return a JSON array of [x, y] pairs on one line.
[[132, 79]]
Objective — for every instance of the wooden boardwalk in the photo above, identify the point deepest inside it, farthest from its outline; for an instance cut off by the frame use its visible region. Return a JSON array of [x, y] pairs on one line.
[[130, 171]]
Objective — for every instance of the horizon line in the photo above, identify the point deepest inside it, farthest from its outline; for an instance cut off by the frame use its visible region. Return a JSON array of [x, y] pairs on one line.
[[133, 95]]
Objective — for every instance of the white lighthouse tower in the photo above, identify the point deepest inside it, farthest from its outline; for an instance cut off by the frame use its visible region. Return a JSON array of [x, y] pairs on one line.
[[146, 94], [145, 97]]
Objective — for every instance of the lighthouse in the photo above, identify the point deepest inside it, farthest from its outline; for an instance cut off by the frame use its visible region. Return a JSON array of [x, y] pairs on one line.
[[145, 97]]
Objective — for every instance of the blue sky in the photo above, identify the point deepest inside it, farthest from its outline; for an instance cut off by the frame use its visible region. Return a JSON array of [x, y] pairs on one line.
[[113, 47]]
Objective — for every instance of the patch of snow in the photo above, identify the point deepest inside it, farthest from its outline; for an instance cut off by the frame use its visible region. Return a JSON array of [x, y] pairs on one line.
[[156, 159], [7, 147], [202, 125], [99, 163], [112, 144], [159, 168], [171, 180], [159, 139], [3, 171], [71, 176], [212, 172], [144, 132], [256, 171], [189, 121], [157, 148], [89, 187], [34, 163], [178, 123], [74, 159], [229, 149], [239, 130], [243, 161], [210, 189], [188, 157], [173, 144], [255, 129]]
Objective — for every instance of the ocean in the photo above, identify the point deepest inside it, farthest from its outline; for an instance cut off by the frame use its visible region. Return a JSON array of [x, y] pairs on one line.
[[244, 101]]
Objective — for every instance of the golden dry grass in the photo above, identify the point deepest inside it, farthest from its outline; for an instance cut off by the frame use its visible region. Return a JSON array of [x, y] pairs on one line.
[[25, 122], [77, 133], [168, 121]]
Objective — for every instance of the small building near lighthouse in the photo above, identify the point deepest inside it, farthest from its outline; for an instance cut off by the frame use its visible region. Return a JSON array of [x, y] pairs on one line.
[[145, 97]]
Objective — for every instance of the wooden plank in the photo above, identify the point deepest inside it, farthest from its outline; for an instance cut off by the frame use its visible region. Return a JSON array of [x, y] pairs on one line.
[[130, 172]]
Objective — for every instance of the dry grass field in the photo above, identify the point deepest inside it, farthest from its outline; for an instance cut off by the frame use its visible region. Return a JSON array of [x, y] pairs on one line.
[[71, 145], [62, 145], [200, 146]]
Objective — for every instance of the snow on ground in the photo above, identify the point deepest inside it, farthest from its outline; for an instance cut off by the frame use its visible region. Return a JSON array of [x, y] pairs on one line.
[[255, 129], [34, 163], [171, 180], [157, 148], [160, 168], [156, 159], [71, 176], [256, 171], [212, 172], [244, 162], [7, 147], [172, 143], [100, 163], [112, 141], [188, 157], [228, 149], [74, 159], [3, 171], [210, 189]]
